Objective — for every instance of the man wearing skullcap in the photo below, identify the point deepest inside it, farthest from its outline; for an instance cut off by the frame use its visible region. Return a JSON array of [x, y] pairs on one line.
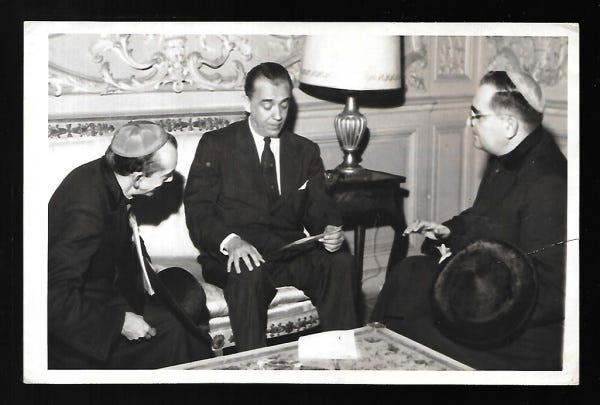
[[521, 202], [99, 314]]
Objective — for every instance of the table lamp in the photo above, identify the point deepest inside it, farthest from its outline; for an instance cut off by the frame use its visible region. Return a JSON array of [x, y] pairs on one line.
[[352, 65]]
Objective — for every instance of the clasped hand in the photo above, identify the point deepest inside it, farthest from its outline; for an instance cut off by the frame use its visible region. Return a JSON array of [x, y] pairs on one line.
[[135, 327], [333, 238], [431, 230]]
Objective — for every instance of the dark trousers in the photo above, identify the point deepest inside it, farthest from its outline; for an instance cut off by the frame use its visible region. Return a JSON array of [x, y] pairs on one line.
[[172, 345], [404, 306], [328, 279]]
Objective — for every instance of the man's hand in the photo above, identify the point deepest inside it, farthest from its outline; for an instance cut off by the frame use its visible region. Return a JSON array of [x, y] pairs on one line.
[[135, 327], [237, 249], [333, 239], [431, 230]]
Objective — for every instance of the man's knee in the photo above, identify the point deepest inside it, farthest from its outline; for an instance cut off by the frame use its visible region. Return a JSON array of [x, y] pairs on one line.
[[414, 264], [246, 278], [343, 264]]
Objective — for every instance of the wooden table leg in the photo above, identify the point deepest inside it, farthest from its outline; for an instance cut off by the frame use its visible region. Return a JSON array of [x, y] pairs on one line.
[[359, 250]]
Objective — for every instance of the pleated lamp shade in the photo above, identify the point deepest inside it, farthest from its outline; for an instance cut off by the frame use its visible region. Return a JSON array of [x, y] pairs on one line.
[[352, 62]]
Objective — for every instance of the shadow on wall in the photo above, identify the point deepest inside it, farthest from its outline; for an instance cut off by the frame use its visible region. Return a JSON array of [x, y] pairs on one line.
[[167, 199]]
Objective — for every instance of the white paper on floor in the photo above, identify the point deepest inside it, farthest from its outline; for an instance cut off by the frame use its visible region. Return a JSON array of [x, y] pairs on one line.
[[335, 344]]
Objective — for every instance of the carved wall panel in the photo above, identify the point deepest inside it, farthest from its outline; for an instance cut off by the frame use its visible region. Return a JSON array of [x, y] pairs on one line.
[[448, 164], [452, 58], [119, 63]]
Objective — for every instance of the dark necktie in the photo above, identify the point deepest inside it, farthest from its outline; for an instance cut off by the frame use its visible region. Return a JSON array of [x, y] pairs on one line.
[[267, 161]]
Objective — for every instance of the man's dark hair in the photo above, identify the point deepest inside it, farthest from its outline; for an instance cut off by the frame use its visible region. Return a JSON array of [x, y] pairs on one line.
[[269, 70], [508, 98], [127, 165]]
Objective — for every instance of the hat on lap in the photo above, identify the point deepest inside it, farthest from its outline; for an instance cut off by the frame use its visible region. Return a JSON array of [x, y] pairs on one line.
[[185, 297], [484, 295]]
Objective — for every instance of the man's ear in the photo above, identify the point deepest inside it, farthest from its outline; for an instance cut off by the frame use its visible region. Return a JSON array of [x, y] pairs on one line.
[[246, 103], [136, 177], [512, 126]]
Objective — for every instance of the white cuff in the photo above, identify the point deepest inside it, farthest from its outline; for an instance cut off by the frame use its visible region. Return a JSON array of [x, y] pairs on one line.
[[227, 239]]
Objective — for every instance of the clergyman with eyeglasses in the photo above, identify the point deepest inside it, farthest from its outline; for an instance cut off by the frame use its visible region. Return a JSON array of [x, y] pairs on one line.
[[489, 289]]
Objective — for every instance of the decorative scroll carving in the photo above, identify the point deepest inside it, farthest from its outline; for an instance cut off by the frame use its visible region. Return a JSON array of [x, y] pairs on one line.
[[415, 62], [545, 58], [98, 129], [119, 63], [451, 57], [291, 46], [59, 79], [173, 65]]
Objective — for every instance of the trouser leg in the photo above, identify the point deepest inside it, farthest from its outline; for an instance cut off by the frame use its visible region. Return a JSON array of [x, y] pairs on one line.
[[329, 280], [405, 295], [248, 296]]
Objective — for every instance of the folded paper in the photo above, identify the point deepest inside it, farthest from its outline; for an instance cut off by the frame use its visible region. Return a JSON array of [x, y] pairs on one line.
[[335, 344]]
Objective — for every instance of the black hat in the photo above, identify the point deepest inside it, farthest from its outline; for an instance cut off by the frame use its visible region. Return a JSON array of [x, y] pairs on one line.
[[185, 297], [484, 295]]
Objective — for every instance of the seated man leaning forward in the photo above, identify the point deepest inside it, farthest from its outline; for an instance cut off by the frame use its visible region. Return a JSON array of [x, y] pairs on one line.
[[99, 315], [521, 201], [252, 188]]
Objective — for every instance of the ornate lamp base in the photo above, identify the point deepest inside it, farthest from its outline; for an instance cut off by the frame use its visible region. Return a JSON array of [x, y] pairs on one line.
[[349, 127], [349, 165]]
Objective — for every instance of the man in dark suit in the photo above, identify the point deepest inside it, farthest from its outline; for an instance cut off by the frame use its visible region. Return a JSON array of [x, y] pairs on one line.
[[253, 187], [99, 315], [521, 200]]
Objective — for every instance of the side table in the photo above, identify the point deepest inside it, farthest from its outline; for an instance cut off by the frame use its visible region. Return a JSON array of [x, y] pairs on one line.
[[370, 198]]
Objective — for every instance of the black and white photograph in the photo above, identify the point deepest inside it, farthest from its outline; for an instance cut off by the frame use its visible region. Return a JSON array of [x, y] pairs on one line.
[[319, 203]]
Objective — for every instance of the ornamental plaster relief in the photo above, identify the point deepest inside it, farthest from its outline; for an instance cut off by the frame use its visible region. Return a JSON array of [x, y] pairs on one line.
[[545, 58], [128, 63], [415, 63]]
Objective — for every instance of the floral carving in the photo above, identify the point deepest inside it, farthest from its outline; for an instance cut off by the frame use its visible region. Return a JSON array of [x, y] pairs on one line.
[[97, 129], [545, 58]]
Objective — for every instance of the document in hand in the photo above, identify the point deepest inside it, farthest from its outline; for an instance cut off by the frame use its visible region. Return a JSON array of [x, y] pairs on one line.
[[292, 249]]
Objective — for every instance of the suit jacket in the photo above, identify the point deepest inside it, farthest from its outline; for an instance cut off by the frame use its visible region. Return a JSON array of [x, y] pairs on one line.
[[93, 276], [522, 199], [225, 192]]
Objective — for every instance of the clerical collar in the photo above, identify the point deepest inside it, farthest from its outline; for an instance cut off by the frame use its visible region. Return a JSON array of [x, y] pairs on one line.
[[515, 158]]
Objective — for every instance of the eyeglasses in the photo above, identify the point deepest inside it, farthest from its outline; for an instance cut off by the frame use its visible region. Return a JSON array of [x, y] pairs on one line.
[[472, 117]]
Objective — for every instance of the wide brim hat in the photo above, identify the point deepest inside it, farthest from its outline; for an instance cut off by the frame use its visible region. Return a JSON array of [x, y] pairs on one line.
[[185, 297], [485, 294]]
